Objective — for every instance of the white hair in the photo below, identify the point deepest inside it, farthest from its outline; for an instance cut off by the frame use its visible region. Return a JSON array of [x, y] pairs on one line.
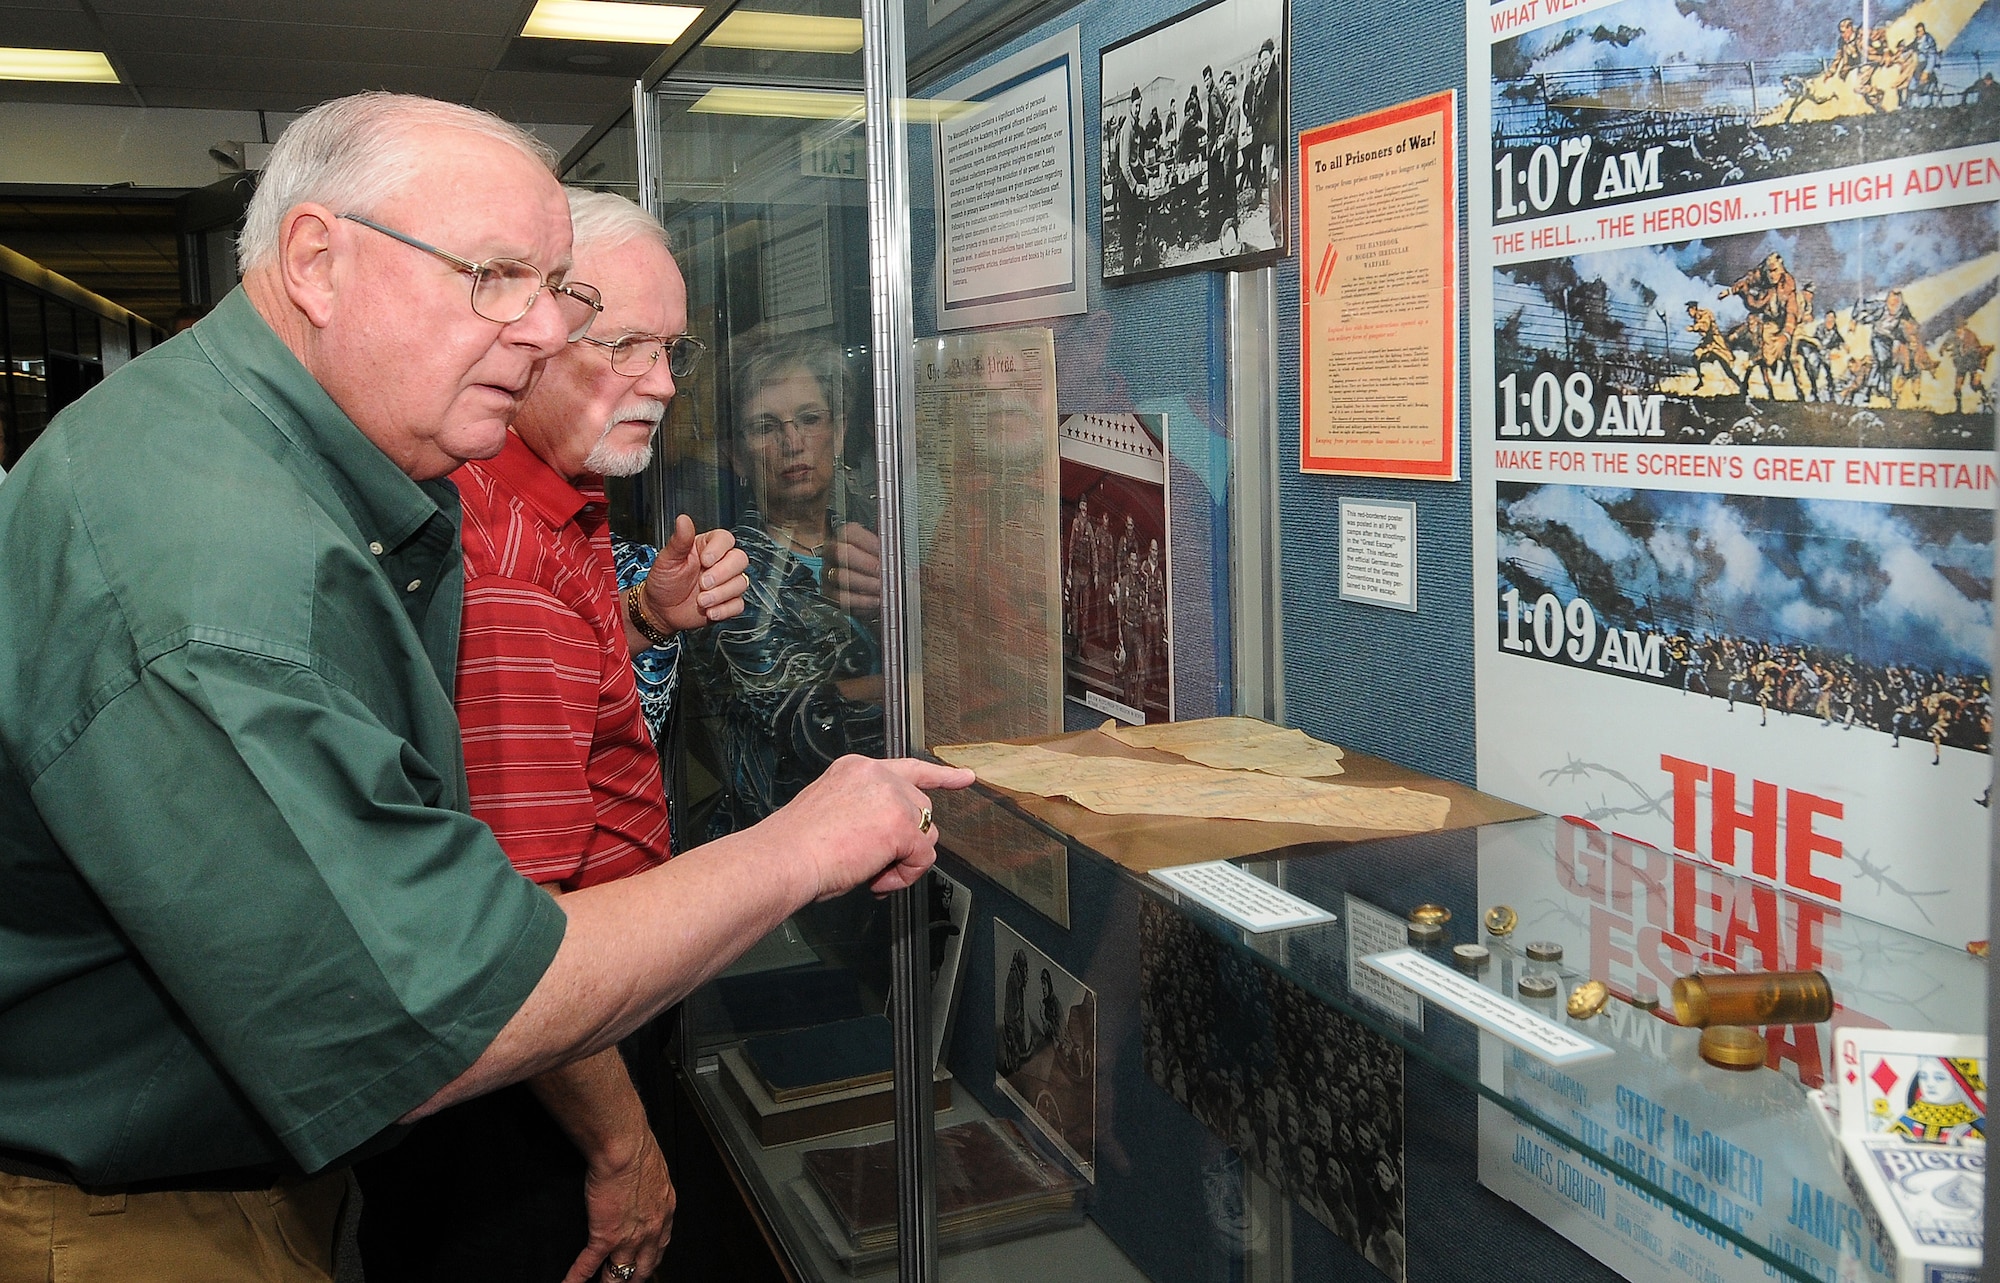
[[605, 218], [351, 154]]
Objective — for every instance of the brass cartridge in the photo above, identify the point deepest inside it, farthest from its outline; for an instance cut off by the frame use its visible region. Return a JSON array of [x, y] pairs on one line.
[[1752, 998]]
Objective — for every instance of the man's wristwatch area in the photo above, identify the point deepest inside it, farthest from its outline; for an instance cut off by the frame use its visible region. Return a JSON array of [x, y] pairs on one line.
[[635, 614]]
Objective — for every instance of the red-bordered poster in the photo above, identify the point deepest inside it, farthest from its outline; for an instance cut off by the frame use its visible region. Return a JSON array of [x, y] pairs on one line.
[[1378, 312]]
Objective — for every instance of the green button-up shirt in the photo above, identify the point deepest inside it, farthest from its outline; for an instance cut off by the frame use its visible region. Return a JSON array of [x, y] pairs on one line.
[[245, 913]]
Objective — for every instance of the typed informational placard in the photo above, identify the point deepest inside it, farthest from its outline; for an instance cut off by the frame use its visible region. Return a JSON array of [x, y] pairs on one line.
[[1009, 172], [1378, 308]]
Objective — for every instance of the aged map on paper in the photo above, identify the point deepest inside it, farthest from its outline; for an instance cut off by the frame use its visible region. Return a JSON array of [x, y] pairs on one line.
[[987, 497], [1236, 744], [1125, 786]]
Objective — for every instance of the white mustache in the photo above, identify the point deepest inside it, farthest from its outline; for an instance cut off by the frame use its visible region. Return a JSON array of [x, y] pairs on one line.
[[610, 462], [651, 409]]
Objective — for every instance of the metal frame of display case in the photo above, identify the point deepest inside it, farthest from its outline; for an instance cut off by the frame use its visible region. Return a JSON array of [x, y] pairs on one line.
[[885, 95]]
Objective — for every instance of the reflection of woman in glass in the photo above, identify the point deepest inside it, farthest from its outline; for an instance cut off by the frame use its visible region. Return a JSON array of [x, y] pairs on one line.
[[796, 678]]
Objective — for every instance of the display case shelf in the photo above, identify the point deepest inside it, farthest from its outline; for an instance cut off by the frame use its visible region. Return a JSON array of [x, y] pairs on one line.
[[773, 1174], [1649, 1142]]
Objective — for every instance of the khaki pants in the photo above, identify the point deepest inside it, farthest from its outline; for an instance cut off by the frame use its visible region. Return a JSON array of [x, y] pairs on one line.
[[54, 1233]]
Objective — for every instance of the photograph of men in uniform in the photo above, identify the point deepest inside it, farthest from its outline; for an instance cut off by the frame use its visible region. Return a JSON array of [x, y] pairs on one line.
[[1193, 126]]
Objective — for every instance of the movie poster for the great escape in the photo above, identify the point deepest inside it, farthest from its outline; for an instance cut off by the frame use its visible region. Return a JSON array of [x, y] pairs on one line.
[[1734, 298], [1733, 286]]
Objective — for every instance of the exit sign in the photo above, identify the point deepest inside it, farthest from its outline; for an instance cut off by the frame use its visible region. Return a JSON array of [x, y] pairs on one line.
[[842, 156]]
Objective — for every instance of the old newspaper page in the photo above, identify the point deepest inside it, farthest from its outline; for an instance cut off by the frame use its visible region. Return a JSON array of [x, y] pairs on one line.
[[987, 497]]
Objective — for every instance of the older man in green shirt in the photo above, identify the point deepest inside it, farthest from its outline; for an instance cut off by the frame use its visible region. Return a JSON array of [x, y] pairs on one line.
[[248, 923]]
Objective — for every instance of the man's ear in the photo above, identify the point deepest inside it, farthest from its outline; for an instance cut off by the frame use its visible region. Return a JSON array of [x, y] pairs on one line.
[[306, 261]]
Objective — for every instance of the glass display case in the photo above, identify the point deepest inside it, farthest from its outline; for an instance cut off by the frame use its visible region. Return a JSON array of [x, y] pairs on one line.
[[1121, 1081], [1271, 1106]]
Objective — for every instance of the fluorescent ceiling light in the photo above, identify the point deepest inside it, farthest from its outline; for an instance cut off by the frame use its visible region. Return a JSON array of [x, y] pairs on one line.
[[799, 104], [56, 64], [929, 111], [814, 104], [786, 33], [638, 24]]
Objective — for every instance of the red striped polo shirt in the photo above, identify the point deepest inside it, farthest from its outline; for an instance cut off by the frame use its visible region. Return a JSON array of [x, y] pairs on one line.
[[558, 757]]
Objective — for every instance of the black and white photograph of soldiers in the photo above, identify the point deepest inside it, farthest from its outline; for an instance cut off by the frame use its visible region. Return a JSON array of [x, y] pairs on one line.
[[1045, 1045], [1116, 566], [1308, 1098], [1193, 141]]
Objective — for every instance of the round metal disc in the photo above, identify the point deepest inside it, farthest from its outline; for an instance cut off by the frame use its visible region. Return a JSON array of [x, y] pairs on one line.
[[1732, 1047]]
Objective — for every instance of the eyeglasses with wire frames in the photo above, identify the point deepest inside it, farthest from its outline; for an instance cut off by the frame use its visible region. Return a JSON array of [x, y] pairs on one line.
[[505, 289], [810, 421], [635, 354]]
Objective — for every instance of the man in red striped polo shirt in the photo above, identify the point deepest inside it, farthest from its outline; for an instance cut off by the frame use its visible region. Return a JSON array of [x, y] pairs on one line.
[[561, 1177]]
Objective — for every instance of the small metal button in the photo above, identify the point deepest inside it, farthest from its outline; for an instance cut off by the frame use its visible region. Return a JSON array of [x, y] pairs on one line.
[[1587, 999], [1500, 920], [1433, 913]]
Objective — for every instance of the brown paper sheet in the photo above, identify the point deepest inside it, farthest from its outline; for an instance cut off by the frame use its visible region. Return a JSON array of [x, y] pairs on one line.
[[1125, 786], [1236, 744], [1145, 842]]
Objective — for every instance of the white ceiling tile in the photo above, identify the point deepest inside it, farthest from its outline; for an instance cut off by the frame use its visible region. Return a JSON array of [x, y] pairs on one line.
[[40, 28], [483, 17], [85, 95], [214, 99], [286, 55], [306, 42], [288, 81], [553, 87], [528, 111]]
